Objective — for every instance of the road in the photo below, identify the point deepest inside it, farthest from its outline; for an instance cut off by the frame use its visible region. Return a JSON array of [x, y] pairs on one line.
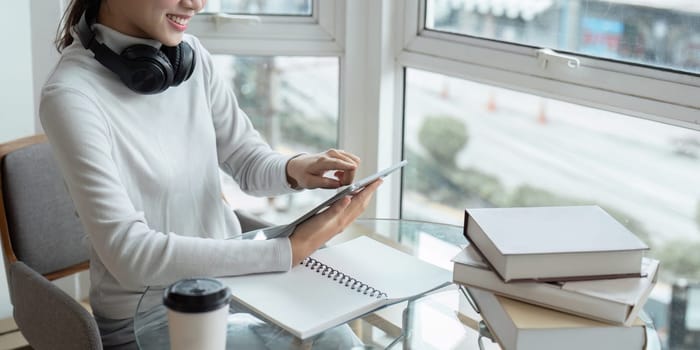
[[621, 162]]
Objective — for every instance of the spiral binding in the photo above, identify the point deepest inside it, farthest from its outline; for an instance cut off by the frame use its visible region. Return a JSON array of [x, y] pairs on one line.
[[342, 278]]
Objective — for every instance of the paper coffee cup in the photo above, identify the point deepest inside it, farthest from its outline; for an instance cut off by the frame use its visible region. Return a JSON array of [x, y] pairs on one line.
[[197, 314]]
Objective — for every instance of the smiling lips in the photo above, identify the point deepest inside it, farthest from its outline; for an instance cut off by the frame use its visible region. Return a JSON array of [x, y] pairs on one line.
[[179, 22]]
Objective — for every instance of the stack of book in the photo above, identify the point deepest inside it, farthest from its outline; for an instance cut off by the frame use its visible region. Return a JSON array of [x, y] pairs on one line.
[[556, 277]]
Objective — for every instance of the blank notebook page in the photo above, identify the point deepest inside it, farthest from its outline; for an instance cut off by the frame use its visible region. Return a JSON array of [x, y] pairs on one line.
[[304, 301], [395, 273]]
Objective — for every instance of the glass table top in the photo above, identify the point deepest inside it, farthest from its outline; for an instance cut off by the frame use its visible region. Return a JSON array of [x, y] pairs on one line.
[[441, 320]]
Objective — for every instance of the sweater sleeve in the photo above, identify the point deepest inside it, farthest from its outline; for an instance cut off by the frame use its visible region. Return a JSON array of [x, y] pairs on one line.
[[242, 152], [132, 252]]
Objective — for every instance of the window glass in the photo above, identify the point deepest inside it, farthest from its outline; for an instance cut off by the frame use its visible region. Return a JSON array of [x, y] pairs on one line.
[[475, 145], [261, 7], [663, 33], [293, 103]]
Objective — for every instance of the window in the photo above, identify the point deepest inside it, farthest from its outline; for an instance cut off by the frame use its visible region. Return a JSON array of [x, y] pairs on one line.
[[300, 27], [657, 33], [293, 103], [282, 59], [486, 146], [659, 84], [475, 145], [552, 102], [261, 7]]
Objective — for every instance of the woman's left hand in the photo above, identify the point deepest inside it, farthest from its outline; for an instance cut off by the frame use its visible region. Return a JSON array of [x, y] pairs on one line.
[[308, 170]]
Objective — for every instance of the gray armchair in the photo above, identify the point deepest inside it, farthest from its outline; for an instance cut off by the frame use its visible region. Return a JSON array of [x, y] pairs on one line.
[[43, 240]]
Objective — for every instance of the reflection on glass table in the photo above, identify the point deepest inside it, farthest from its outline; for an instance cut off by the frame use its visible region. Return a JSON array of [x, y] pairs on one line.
[[684, 325], [442, 320]]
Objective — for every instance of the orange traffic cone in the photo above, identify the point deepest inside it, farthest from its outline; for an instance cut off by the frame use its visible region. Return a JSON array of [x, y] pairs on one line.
[[445, 91], [491, 103], [542, 115]]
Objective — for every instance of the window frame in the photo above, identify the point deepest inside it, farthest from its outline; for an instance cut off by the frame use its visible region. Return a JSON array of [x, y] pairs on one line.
[[320, 34], [656, 94]]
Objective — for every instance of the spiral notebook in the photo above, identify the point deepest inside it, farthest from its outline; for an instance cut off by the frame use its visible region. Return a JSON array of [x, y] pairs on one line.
[[336, 285]]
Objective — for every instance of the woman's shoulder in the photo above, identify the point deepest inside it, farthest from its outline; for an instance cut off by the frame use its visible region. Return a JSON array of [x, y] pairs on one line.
[[76, 71], [72, 85]]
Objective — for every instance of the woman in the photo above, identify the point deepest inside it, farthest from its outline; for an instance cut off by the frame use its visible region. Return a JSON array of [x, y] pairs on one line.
[[140, 124]]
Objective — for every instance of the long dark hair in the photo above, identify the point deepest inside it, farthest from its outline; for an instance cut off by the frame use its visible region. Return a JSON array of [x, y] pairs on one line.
[[70, 18]]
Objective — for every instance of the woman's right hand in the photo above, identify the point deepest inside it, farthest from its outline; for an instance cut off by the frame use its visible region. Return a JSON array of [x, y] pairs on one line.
[[316, 231]]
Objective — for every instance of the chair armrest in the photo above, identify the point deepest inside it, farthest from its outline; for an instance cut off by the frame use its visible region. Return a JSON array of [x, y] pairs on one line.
[[48, 317]]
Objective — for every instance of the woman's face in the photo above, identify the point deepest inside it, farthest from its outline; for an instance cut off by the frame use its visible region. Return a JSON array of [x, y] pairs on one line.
[[162, 20]]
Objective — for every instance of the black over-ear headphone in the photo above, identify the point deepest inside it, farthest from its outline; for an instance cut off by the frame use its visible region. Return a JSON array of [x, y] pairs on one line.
[[143, 68]]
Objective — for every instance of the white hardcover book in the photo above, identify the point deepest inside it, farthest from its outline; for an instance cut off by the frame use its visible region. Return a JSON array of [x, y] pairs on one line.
[[614, 300], [336, 285], [523, 326], [554, 243]]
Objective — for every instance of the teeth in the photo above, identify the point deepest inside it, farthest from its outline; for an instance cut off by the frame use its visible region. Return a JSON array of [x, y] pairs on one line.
[[178, 20]]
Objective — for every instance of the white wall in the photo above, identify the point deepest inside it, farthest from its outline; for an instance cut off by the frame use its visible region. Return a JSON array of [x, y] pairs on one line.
[[29, 31], [16, 93], [45, 16]]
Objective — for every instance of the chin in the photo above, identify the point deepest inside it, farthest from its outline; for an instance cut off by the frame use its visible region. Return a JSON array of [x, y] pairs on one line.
[[172, 40]]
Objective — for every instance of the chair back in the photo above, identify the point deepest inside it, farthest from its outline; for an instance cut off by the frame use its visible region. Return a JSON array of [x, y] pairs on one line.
[[38, 222], [42, 240]]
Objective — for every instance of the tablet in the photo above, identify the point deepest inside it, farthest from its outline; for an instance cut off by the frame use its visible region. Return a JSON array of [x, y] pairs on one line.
[[349, 190]]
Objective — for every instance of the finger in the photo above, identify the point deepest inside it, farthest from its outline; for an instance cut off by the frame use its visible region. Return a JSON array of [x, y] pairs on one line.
[[355, 158], [337, 153], [362, 197], [352, 206], [345, 177], [368, 190], [360, 202], [348, 176], [346, 156], [342, 203], [322, 182], [327, 164], [338, 207]]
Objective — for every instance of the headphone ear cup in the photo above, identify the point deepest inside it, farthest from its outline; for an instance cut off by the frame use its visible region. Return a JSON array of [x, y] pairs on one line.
[[150, 70], [182, 59]]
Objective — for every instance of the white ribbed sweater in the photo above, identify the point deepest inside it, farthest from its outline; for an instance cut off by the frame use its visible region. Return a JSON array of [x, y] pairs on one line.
[[143, 173]]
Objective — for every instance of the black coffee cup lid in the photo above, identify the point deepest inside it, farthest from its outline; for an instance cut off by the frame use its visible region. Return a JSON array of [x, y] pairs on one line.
[[195, 295]]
